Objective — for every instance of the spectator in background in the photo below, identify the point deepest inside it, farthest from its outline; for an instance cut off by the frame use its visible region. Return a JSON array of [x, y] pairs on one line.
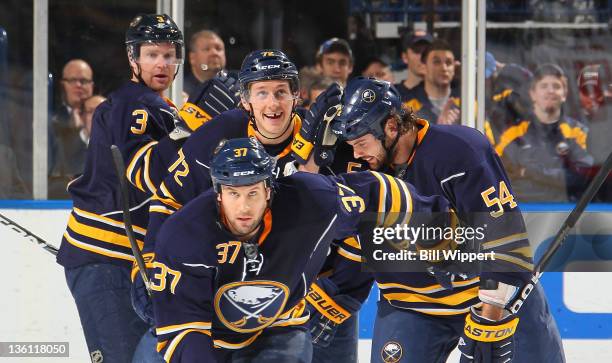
[[413, 46], [595, 91], [317, 87], [434, 99], [206, 57], [379, 69], [89, 106], [546, 155], [335, 60], [68, 149], [507, 96], [307, 76]]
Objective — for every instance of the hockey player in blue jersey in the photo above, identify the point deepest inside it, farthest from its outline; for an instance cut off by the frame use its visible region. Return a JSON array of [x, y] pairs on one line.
[[269, 88], [459, 163], [146, 127], [232, 267]]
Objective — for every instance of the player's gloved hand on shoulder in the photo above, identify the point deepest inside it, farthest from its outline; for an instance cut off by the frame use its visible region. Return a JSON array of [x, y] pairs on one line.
[[487, 341], [324, 108], [181, 129], [141, 301], [212, 97], [328, 309]]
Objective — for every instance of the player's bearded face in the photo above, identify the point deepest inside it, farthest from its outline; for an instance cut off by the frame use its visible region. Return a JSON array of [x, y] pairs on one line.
[[157, 62], [271, 103], [244, 207], [370, 149]]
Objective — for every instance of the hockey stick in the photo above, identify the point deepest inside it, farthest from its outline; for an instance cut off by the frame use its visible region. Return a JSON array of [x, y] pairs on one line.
[[127, 218], [567, 225], [27, 234]]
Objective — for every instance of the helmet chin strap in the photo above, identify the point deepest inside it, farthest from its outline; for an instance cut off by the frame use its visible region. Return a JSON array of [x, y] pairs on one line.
[[254, 122], [389, 150]]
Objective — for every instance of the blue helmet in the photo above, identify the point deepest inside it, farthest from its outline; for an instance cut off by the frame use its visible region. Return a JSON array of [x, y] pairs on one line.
[[366, 104], [153, 28], [265, 65], [239, 162]]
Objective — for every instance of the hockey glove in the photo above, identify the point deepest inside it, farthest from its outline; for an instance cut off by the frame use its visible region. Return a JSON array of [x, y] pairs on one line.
[[181, 129], [141, 302], [328, 310], [304, 142], [213, 97], [487, 341]]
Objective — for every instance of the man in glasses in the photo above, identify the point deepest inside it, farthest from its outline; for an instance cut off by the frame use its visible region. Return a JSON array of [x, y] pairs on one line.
[[335, 60], [67, 148]]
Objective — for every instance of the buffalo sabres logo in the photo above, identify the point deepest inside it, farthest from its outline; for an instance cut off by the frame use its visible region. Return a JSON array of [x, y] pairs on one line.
[[368, 96], [391, 352], [249, 306]]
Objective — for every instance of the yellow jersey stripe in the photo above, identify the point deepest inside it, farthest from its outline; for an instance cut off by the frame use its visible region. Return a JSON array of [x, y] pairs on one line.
[[454, 299], [147, 171], [396, 201], [228, 345], [352, 241], [428, 289], [137, 180], [109, 221], [160, 209], [348, 255], [96, 249], [526, 251], [176, 340], [382, 197], [408, 213], [504, 240], [137, 155], [515, 260], [191, 325], [443, 312], [101, 234]]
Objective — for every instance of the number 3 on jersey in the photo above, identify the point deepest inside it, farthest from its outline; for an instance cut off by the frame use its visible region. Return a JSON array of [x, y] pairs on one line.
[[505, 197], [140, 118]]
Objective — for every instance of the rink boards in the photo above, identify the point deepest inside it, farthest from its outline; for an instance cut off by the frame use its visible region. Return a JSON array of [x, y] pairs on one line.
[[37, 305]]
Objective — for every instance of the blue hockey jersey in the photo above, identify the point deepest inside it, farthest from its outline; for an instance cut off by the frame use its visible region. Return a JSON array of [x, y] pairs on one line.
[[189, 173], [459, 163], [205, 279], [138, 121]]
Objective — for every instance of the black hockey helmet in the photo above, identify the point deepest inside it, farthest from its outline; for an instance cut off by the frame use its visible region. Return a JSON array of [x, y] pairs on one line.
[[242, 161], [153, 28], [265, 65], [366, 105]]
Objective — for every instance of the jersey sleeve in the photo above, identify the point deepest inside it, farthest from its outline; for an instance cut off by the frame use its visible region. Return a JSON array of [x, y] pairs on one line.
[[484, 199], [182, 282], [148, 147], [188, 176]]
